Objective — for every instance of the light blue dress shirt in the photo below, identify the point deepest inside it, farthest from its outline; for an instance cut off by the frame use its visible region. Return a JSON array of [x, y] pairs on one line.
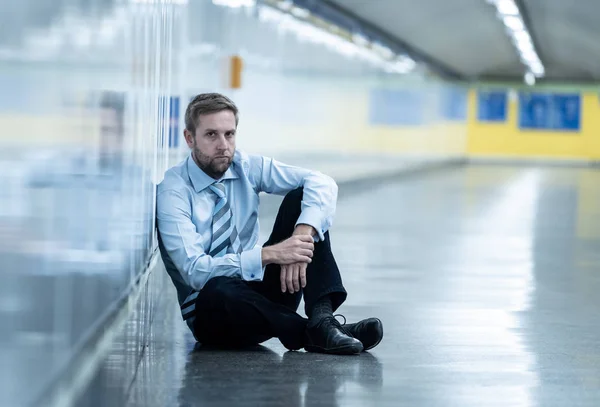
[[185, 207]]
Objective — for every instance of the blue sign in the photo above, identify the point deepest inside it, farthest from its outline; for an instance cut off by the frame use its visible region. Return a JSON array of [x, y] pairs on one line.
[[172, 135], [174, 122], [454, 104], [397, 107], [491, 106], [550, 111]]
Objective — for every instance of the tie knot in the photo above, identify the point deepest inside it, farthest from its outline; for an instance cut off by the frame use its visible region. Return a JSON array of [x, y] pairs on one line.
[[219, 189]]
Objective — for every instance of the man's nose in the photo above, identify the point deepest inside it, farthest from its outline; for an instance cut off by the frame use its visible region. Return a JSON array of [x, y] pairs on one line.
[[222, 142]]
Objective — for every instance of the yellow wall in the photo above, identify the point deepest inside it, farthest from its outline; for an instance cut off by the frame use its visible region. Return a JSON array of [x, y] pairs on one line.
[[436, 139], [506, 139], [69, 128], [332, 115]]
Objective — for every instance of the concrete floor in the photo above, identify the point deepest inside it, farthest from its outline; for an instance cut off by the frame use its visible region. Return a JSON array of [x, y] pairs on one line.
[[487, 279]]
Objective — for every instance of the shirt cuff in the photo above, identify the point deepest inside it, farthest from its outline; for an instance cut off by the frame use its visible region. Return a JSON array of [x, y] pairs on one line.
[[252, 269], [312, 216]]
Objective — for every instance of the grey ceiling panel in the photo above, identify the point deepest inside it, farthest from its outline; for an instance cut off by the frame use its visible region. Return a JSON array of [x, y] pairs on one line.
[[466, 35], [568, 33]]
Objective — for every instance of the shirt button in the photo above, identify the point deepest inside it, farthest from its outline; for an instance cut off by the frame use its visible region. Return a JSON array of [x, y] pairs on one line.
[[252, 275]]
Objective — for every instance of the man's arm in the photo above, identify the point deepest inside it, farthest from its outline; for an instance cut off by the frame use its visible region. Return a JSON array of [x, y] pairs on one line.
[[302, 229], [319, 198], [186, 249]]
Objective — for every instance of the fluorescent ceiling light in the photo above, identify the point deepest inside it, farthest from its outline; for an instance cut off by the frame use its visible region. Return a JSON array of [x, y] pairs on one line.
[[538, 71], [508, 12], [514, 23], [507, 7], [521, 37], [234, 3], [406, 59], [530, 57], [300, 12], [179, 2], [406, 62], [537, 68], [530, 79], [360, 40], [285, 5], [375, 55], [526, 48], [523, 45], [530, 61], [402, 65], [383, 51]]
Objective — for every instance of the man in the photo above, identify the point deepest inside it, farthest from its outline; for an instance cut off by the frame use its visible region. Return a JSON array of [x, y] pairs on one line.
[[232, 293]]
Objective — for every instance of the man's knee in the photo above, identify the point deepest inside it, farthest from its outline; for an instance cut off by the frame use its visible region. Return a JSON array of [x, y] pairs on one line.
[[293, 198], [223, 287]]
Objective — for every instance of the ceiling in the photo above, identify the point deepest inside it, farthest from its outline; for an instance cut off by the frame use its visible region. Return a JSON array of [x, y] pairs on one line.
[[466, 37]]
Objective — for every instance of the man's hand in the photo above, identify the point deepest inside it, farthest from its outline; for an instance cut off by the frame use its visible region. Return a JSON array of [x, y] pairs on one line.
[[303, 229], [293, 277], [293, 255], [296, 249]]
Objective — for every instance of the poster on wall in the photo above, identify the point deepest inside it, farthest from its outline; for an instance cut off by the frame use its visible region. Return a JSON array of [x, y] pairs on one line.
[[169, 106], [549, 111], [393, 107], [454, 104], [491, 106], [174, 121]]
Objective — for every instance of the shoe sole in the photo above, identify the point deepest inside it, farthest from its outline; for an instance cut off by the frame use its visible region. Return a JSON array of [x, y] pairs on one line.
[[380, 336], [342, 350]]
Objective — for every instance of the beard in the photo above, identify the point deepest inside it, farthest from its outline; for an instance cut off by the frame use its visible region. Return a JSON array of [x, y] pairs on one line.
[[213, 167]]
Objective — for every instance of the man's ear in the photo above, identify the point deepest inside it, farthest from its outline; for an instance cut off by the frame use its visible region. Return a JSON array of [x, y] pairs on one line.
[[189, 138]]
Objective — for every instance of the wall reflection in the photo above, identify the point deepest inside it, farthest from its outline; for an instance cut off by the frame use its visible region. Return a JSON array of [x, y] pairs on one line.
[[84, 137]]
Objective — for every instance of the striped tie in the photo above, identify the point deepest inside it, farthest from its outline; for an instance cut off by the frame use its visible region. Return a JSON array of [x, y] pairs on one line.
[[225, 240]]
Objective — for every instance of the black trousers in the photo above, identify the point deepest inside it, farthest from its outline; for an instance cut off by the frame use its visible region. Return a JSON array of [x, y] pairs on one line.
[[231, 312]]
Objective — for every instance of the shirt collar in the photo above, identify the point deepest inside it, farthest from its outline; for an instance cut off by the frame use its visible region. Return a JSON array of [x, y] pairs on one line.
[[200, 180]]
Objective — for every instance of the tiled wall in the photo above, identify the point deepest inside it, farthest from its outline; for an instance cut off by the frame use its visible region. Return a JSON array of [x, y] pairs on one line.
[[84, 140]]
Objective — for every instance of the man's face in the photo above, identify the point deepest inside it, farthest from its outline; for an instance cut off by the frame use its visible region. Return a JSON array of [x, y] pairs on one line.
[[110, 132], [213, 145]]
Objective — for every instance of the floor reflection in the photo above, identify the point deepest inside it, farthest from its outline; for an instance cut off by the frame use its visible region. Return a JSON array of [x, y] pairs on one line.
[[259, 376], [496, 306]]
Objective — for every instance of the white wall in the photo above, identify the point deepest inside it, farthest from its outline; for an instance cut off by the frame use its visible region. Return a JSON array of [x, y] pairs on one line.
[[301, 97]]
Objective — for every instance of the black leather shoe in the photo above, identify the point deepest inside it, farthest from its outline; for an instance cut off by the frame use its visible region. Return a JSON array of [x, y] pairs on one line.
[[369, 331], [328, 336]]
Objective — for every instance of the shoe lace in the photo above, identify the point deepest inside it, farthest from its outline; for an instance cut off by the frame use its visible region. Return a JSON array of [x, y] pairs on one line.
[[331, 320], [340, 315], [341, 327]]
